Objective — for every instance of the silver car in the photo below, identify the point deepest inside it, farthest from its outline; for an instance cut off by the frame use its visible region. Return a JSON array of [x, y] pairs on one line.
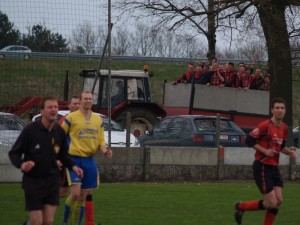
[[15, 51], [10, 128]]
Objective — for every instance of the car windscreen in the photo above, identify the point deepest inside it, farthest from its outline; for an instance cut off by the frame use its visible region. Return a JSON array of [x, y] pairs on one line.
[[9, 122], [210, 125], [113, 125]]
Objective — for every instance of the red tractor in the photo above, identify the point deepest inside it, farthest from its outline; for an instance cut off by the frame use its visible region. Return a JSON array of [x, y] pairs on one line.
[[130, 92]]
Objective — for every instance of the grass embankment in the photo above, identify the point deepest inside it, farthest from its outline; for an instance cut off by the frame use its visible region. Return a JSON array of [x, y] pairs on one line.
[[21, 77], [31, 77]]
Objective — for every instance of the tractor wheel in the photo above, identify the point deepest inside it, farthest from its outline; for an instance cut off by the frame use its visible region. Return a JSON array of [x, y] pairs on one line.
[[141, 120]]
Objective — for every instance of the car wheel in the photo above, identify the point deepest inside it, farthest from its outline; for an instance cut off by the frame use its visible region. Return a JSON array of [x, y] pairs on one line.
[[26, 56], [2, 56]]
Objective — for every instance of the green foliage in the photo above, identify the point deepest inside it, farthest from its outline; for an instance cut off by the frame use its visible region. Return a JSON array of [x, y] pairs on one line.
[[8, 34], [163, 204], [41, 39], [79, 50]]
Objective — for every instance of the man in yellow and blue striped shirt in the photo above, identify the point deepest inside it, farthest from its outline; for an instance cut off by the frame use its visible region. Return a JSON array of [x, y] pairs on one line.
[[85, 137]]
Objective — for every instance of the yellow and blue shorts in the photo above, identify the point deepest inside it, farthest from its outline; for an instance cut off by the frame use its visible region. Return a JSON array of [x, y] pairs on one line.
[[90, 177]]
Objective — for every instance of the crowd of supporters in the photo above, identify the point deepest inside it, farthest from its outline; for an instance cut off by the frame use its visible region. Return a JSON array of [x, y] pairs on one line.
[[245, 77]]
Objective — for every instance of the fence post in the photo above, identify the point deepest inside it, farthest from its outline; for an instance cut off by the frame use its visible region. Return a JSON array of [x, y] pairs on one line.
[[146, 162], [218, 130], [128, 127], [221, 154], [292, 167]]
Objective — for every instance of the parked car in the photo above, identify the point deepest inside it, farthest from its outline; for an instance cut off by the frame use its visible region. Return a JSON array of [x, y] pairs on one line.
[[10, 128], [15, 51], [118, 134], [193, 130], [296, 136]]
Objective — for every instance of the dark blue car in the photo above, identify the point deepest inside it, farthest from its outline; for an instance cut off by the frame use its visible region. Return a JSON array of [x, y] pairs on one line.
[[194, 130]]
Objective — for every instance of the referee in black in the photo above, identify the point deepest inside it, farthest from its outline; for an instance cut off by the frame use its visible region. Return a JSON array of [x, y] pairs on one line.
[[40, 151]]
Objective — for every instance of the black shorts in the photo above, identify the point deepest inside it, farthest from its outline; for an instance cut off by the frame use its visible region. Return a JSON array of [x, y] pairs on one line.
[[40, 191], [63, 177], [266, 177]]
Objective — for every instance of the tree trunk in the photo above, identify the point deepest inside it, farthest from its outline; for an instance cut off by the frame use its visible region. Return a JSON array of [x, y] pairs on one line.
[[211, 31], [272, 18]]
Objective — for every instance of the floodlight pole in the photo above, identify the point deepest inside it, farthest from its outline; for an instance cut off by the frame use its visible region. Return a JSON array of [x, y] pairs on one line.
[[109, 72]]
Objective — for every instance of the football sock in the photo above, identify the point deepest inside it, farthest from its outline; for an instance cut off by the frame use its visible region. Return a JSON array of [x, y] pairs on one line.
[[69, 205], [78, 212], [251, 206], [89, 210], [270, 216]]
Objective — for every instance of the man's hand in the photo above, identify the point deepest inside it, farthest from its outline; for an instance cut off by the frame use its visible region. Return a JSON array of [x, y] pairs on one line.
[[27, 166], [108, 153], [270, 152], [78, 171], [292, 153], [59, 164]]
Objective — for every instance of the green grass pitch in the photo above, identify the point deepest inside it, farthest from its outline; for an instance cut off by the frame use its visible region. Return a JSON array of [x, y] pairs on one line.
[[164, 204]]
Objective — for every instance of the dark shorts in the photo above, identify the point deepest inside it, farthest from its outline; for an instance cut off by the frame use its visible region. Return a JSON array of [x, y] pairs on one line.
[[40, 191], [63, 177], [266, 177]]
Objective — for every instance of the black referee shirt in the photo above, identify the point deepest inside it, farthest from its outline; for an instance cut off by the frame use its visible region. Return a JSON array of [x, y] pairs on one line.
[[42, 146]]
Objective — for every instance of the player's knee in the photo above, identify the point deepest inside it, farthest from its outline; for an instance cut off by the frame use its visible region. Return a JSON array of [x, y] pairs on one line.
[[75, 196], [279, 202], [36, 221], [49, 222], [272, 203]]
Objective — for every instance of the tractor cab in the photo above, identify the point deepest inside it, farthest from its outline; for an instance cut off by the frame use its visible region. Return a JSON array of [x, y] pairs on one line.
[[125, 85]]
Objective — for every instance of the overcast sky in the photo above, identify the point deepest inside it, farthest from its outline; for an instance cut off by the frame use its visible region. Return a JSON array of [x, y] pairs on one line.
[[63, 16], [60, 16]]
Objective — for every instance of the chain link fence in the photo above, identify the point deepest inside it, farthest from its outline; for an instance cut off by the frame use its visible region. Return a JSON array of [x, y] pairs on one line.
[[81, 25]]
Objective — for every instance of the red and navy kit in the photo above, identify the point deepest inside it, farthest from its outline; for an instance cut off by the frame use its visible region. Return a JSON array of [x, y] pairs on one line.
[[244, 81], [269, 136], [255, 82], [186, 77], [230, 78], [215, 80]]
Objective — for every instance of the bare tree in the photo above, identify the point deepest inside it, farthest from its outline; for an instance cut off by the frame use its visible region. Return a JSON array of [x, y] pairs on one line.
[[84, 37], [228, 13], [191, 14], [143, 45], [120, 41]]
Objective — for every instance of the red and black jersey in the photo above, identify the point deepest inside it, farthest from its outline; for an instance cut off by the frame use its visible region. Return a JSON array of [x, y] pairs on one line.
[[244, 81], [215, 80], [269, 136], [230, 78], [198, 74], [186, 77], [255, 82]]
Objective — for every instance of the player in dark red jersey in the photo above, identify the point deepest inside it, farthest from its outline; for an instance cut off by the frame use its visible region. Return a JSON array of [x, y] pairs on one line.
[[268, 139]]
